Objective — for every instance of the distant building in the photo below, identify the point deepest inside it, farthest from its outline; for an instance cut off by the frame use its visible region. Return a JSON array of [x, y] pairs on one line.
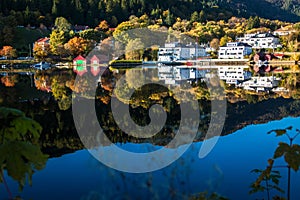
[[234, 50], [178, 51], [261, 40], [284, 31], [43, 42], [79, 28]]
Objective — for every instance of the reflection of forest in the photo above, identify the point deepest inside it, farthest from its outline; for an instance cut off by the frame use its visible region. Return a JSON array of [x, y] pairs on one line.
[[59, 136]]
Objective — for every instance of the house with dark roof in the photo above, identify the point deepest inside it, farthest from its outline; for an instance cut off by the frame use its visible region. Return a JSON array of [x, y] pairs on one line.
[[261, 40], [234, 50]]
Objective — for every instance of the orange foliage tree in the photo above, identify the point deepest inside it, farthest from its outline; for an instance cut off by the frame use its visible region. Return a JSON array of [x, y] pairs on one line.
[[8, 51], [78, 45], [103, 26]]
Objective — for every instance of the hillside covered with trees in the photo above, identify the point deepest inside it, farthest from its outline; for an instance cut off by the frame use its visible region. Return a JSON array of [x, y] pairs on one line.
[[90, 12]]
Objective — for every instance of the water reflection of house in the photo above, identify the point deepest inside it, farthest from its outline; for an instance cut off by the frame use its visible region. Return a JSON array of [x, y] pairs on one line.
[[260, 83], [95, 62], [233, 74], [79, 65], [234, 50], [175, 75]]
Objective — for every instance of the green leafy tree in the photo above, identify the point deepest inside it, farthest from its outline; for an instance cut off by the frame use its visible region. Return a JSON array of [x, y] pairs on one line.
[[19, 150], [62, 24], [92, 34]]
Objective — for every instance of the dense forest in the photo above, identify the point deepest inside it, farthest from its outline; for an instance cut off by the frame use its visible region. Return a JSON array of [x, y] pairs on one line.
[[91, 12], [218, 20]]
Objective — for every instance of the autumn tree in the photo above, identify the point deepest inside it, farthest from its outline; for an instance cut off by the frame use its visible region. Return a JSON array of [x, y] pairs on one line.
[[224, 40], [215, 44], [57, 41], [134, 49], [8, 51], [103, 26], [78, 45], [41, 51]]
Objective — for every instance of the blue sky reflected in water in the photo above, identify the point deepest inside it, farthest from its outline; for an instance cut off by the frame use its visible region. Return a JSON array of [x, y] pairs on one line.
[[225, 170]]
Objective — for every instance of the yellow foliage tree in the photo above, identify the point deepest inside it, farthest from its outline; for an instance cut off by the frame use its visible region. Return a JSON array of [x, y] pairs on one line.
[[41, 50]]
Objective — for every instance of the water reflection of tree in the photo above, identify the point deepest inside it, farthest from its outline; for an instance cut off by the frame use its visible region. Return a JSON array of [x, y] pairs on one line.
[[9, 80], [59, 83], [20, 153]]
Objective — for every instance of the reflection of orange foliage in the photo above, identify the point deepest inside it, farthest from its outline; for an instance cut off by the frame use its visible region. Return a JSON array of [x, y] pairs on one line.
[[9, 81], [105, 99], [81, 85], [42, 82], [107, 84]]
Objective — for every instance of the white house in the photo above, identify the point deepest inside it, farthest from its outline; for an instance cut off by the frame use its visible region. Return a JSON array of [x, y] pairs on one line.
[[261, 40], [178, 51], [283, 31], [234, 50], [234, 74]]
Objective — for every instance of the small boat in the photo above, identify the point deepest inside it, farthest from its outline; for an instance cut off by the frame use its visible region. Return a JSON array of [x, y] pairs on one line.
[[42, 65]]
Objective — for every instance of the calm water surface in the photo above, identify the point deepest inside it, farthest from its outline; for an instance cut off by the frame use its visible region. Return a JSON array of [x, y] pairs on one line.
[[76, 174], [226, 170]]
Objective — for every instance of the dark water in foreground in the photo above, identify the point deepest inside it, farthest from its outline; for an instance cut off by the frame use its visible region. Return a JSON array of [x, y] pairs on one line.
[[226, 170]]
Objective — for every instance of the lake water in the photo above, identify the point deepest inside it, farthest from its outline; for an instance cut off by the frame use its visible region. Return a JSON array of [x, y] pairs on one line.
[[72, 172]]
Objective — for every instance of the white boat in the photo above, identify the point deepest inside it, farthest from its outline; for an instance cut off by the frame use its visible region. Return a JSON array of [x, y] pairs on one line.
[[42, 65]]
